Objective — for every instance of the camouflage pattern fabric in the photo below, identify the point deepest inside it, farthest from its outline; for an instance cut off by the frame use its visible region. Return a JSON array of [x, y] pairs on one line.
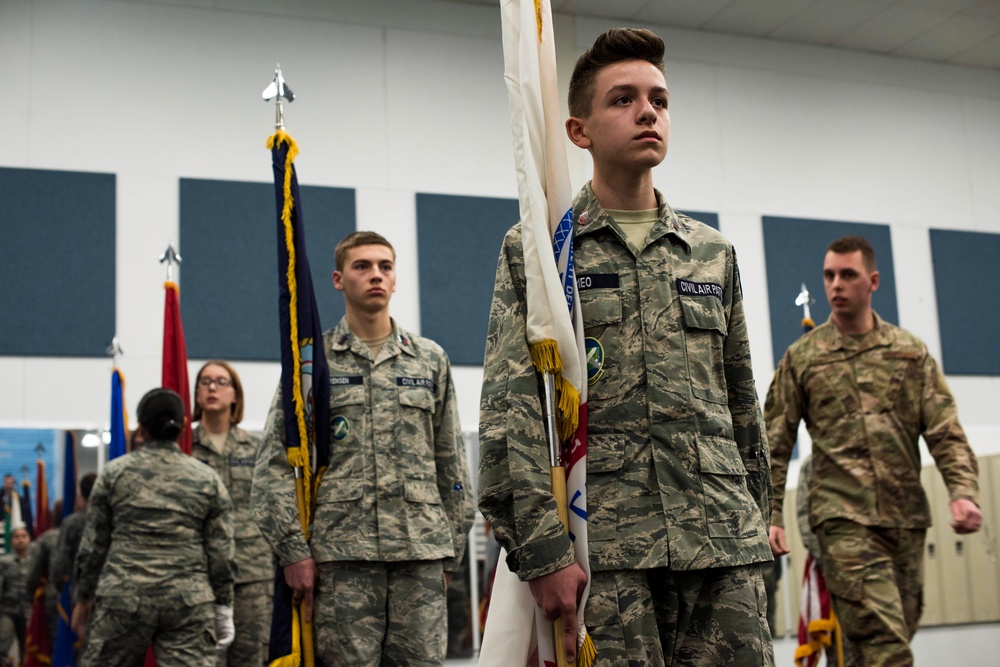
[[64, 556], [875, 577], [866, 400], [252, 605], [677, 471], [13, 583], [38, 567], [389, 614], [158, 524], [254, 560], [122, 629], [697, 618], [802, 508], [14, 607], [397, 485]]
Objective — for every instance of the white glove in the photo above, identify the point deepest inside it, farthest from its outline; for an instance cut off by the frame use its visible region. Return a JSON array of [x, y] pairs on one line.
[[225, 631]]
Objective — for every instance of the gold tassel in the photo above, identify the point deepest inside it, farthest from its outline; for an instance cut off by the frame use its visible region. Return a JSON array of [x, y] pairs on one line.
[[545, 356], [569, 406], [587, 654]]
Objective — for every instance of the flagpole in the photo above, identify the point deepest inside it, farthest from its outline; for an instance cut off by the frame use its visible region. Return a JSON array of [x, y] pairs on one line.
[[302, 467]]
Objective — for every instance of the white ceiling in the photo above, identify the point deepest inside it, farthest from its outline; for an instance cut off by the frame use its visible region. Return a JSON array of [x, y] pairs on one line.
[[961, 32]]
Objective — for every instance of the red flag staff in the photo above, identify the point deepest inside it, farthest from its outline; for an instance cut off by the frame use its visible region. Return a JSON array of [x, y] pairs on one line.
[[175, 371]]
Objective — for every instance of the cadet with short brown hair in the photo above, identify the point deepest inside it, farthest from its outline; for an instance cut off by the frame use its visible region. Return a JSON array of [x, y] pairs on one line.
[[677, 476], [867, 391]]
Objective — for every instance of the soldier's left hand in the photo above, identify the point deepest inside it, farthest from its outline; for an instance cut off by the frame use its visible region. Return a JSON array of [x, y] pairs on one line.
[[966, 517], [80, 620]]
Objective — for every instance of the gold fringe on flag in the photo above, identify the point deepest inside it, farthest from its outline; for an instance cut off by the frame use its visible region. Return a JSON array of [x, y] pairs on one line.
[[298, 458], [545, 357]]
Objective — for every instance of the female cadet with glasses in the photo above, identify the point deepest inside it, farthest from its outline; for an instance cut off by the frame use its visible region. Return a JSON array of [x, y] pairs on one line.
[[231, 451]]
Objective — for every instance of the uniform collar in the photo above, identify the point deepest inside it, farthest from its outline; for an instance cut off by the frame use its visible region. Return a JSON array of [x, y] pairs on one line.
[[590, 216], [880, 335], [161, 444], [343, 339]]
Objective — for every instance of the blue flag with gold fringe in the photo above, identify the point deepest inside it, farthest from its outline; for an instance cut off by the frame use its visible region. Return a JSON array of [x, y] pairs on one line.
[[62, 647], [305, 389], [119, 441]]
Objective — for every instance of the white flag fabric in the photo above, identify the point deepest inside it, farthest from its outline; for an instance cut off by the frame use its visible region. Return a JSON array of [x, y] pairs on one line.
[[516, 632]]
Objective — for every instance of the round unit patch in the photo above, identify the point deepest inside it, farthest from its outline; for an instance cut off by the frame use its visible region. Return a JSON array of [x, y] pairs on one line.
[[340, 427], [595, 359]]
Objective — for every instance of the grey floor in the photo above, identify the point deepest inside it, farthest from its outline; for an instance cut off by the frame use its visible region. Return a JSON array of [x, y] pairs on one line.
[[946, 646]]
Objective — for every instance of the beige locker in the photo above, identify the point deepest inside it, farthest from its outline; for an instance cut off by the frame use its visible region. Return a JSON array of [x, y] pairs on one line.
[[956, 597], [933, 605], [982, 547]]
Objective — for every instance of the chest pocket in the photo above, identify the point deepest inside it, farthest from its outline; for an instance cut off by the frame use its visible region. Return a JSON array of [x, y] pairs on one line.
[[882, 383], [415, 426], [704, 334], [602, 319], [240, 481]]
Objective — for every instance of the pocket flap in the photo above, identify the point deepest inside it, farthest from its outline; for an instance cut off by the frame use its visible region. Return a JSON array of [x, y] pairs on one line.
[[119, 603], [704, 312], [719, 456], [417, 398], [422, 491], [347, 395]]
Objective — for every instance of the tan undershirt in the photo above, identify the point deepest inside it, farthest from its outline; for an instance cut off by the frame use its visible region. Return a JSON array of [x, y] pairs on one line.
[[635, 225], [218, 442], [375, 345]]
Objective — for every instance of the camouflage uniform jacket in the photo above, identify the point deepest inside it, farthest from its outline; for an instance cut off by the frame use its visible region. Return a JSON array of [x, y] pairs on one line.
[[254, 560], [13, 578], [397, 485], [677, 472], [41, 563], [866, 400], [64, 555], [158, 522]]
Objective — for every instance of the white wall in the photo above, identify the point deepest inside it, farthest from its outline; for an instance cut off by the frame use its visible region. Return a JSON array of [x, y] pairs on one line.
[[405, 96]]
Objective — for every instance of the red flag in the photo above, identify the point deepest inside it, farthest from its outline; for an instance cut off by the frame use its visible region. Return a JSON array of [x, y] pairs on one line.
[[175, 373], [37, 649], [816, 619], [43, 518]]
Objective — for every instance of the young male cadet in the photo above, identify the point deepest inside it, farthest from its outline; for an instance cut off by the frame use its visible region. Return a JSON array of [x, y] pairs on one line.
[[867, 391], [393, 509], [677, 475]]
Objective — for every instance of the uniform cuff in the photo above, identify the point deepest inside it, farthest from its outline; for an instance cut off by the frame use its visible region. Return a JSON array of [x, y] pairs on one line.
[[292, 549], [541, 557]]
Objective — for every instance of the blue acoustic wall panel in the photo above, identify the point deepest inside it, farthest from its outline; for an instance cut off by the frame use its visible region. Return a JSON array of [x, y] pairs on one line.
[[57, 263], [794, 250], [966, 272], [710, 219], [458, 243], [229, 276]]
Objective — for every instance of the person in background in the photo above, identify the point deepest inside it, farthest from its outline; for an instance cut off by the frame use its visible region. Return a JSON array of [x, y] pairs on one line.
[[868, 391], [38, 569], [155, 565], [231, 452], [15, 607], [70, 534]]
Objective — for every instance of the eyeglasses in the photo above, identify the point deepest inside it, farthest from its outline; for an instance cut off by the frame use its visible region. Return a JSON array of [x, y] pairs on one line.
[[218, 382]]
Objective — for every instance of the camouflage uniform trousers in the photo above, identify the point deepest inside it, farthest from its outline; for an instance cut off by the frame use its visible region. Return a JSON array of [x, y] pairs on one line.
[[12, 629], [380, 613], [252, 606], [875, 577], [123, 628], [698, 618]]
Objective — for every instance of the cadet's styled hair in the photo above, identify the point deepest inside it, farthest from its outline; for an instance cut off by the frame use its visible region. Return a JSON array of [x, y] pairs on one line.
[[161, 411], [848, 244], [613, 46], [87, 484], [236, 416], [355, 239]]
